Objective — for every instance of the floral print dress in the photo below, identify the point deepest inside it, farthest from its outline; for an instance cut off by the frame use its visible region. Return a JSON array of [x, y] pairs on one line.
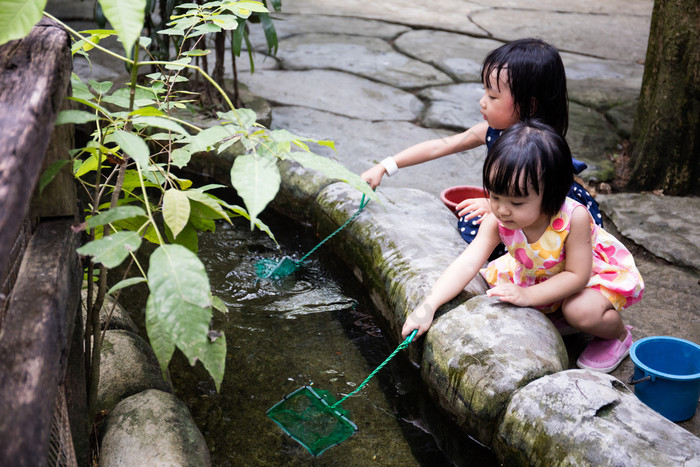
[[614, 272]]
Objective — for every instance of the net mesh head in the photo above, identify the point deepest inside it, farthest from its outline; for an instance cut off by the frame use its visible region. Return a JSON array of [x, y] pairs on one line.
[[273, 269], [306, 415]]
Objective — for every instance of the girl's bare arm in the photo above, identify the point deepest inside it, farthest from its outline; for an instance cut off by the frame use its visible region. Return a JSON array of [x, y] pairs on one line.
[[429, 150], [457, 275]]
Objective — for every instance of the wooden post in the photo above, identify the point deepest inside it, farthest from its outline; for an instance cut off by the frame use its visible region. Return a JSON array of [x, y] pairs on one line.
[[34, 80]]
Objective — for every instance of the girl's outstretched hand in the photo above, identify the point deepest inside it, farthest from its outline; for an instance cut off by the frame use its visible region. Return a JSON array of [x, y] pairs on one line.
[[374, 175], [474, 207], [510, 293], [421, 319]]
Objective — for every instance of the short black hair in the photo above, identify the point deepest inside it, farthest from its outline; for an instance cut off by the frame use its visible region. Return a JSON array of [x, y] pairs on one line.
[[536, 77], [530, 155]]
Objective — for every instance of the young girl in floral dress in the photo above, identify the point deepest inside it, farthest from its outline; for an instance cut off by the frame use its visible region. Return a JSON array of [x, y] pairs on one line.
[[558, 258]]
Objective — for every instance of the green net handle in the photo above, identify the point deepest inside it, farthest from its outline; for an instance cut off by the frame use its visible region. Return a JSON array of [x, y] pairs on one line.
[[363, 203], [401, 346]]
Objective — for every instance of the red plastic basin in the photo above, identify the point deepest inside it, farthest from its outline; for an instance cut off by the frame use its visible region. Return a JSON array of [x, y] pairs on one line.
[[454, 195]]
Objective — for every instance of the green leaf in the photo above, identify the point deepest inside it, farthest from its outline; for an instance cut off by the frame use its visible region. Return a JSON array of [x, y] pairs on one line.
[[208, 200], [80, 89], [74, 116], [181, 156], [115, 214], [257, 180], [160, 122], [241, 118], [161, 340], [332, 169], [149, 112], [212, 354], [112, 250], [86, 166], [219, 304], [179, 310], [176, 210], [50, 173], [131, 144], [126, 283], [126, 17], [18, 17], [270, 33], [235, 7], [100, 87], [202, 218], [210, 137], [187, 238]]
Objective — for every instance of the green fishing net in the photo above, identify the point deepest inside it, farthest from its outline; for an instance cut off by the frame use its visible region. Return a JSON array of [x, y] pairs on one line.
[[313, 419], [273, 269]]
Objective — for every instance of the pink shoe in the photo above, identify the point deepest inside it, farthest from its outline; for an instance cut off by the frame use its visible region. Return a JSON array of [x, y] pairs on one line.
[[605, 354]]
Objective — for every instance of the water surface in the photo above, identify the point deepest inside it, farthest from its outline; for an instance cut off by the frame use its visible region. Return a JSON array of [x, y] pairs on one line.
[[300, 330]]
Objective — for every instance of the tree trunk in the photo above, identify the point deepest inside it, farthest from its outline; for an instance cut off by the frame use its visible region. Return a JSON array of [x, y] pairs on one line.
[[664, 143]]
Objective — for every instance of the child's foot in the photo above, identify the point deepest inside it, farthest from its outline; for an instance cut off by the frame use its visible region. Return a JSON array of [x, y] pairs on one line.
[[605, 354]]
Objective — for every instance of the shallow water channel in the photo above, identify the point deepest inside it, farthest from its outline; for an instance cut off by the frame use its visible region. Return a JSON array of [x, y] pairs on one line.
[[313, 327]]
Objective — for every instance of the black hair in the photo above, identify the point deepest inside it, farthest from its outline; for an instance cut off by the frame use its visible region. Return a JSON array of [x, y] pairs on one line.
[[530, 155], [536, 77]]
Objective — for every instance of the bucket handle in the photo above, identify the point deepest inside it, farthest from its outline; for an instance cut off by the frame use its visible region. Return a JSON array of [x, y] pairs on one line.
[[633, 381]]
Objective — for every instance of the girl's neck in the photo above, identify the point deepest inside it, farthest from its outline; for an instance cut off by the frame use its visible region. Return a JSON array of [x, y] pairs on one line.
[[534, 231]]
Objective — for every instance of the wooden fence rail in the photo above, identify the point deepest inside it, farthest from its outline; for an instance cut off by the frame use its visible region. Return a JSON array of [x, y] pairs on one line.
[[39, 267]]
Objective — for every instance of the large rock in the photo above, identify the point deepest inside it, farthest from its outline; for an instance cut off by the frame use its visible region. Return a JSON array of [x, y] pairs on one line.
[[580, 418], [128, 366], [112, 314], [478, 354], [152, 428]]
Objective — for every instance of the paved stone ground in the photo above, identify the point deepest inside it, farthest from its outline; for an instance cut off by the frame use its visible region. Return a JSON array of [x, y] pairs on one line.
[[378, 77]]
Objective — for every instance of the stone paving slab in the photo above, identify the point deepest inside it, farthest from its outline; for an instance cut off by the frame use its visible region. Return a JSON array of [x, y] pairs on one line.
[[668, 226], [360, 144], [336, 93], [370, 57], [458, 55], [572, 32]]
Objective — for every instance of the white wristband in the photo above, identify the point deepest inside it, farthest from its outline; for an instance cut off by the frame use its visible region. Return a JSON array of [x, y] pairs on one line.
[[390, 165]]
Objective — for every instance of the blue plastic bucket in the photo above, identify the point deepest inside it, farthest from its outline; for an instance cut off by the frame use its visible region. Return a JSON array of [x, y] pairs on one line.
[[667, 375]]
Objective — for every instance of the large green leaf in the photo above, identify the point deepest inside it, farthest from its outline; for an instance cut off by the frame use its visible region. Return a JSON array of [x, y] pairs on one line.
[[257, 180], [159, 335], [75, 116], [18, 17], [179, 309], [112, 250], [126, 17], [176, 210], [131, 144], [115, 214]]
